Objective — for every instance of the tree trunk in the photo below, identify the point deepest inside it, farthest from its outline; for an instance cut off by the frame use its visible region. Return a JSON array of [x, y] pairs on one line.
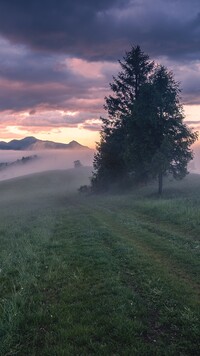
[[160, 183]]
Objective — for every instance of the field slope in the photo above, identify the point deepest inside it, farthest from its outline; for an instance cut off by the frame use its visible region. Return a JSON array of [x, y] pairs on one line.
[[98, 275]]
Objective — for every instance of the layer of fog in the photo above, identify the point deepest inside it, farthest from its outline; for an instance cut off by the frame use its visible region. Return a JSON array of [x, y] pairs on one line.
[[45, 161], [59, 160], [194, 165]]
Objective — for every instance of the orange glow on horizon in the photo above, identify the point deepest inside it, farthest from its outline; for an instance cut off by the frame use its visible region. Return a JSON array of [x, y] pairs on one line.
[[62, 135], [15, 126], [192, 112]]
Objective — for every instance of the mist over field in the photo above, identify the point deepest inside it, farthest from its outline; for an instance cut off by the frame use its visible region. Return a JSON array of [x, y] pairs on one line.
[[194, 165], [84, 273], [45, 161], [59, 160]]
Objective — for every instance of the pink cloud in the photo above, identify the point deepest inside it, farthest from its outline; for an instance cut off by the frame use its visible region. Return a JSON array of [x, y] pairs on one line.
[[46, 121], [90, 69]]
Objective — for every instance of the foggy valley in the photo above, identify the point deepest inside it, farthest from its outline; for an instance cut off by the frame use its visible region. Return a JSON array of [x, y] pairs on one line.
[[46, 160], [59, 160]]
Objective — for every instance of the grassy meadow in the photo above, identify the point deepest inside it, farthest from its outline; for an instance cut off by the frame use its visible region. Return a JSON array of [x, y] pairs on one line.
[[98, 275]]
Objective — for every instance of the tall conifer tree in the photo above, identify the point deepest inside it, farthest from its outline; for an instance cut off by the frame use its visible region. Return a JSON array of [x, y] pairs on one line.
[[143, 136]]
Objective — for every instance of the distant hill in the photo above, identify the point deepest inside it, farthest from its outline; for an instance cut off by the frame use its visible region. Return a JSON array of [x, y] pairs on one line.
[[31, 143]]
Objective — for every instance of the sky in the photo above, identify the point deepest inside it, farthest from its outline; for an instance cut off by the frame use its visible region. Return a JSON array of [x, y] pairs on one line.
[[57, 58]]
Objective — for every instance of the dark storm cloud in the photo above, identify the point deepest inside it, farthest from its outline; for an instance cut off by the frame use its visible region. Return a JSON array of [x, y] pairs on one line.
[[73, 96], [187, 74], [41, 42], [64, 26], [104, 28], [31, 79], [23, 65], [167, 28]]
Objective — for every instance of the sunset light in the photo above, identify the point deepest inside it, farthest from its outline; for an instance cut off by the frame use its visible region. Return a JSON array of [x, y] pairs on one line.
[[60, 80], [99, 177]]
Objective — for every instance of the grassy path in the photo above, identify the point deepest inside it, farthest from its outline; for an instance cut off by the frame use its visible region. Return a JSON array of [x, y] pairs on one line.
[[163, 242], [96, 276]]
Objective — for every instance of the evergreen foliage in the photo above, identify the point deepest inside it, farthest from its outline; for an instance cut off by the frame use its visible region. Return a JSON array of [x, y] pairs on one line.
[[144, 136]]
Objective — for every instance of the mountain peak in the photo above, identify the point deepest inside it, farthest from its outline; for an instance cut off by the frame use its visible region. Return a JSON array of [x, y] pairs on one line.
[[74, 144], [32, 143]]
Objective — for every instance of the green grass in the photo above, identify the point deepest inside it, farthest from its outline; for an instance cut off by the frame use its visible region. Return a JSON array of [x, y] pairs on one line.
[[98, 275]]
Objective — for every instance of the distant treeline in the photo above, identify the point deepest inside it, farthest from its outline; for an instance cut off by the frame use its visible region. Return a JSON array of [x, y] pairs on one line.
[[23, 160]]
